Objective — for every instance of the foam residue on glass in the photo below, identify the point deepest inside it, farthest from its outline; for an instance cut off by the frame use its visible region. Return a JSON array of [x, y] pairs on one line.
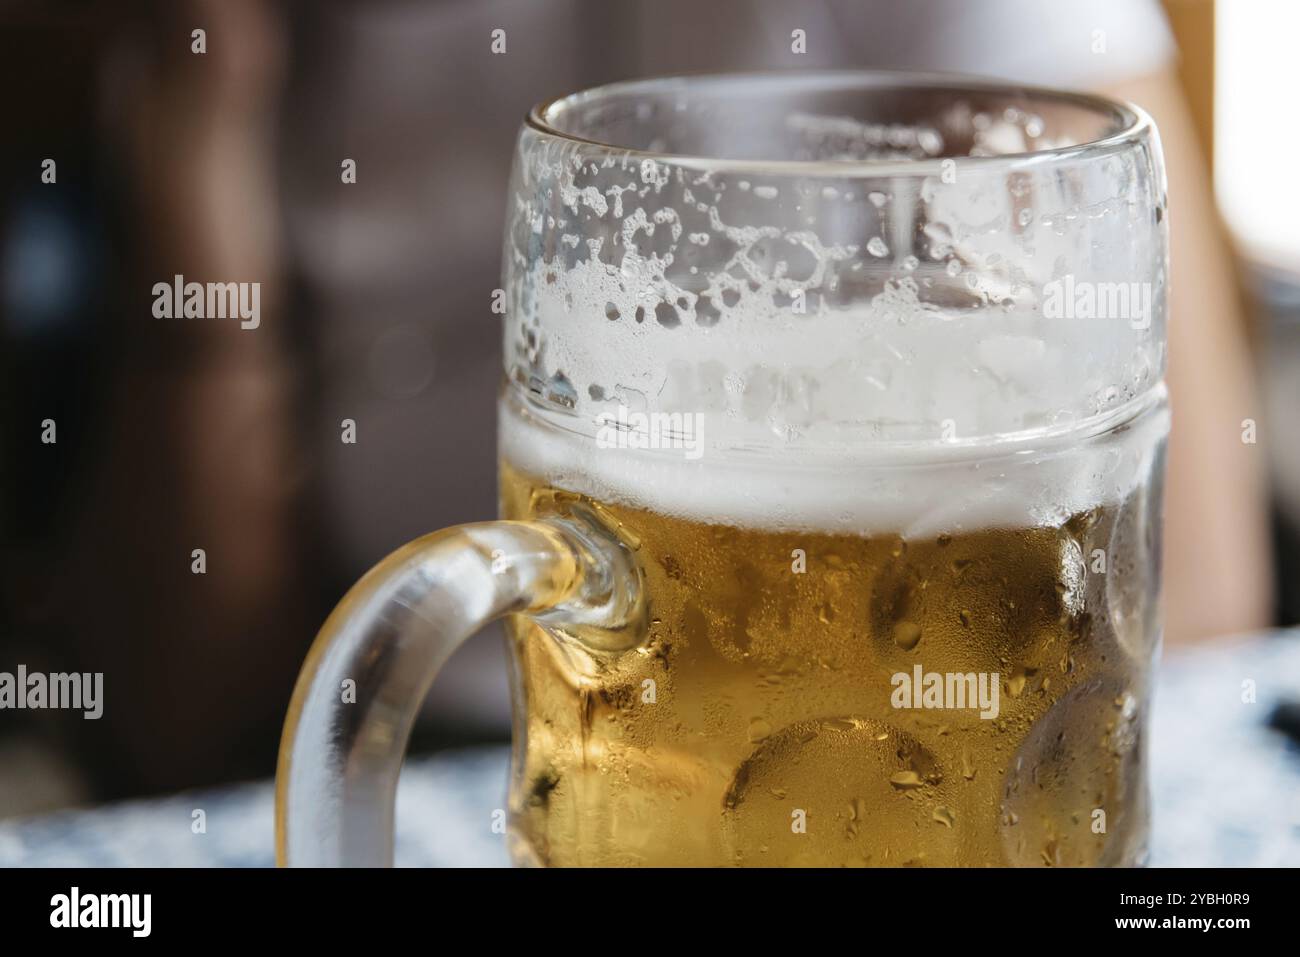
[[830, 313]]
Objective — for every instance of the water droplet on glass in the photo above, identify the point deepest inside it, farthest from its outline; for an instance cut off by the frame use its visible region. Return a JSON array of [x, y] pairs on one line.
[[907, 634], [905, 780], [968, 769]]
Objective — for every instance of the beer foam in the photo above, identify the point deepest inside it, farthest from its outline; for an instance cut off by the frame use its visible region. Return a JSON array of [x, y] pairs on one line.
[[899, 368], [912, 489], [881, 345], [786, 312]]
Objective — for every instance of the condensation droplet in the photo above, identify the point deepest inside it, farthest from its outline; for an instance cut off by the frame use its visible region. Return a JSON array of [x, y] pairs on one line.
[[907, 635], [968, 769], [905, 780]]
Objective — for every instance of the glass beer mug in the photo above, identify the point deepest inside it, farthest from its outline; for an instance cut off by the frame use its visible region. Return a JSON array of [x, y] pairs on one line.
[[831, 447]]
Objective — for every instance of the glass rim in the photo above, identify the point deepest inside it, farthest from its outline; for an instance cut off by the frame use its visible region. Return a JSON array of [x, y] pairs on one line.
[[1130, 125]]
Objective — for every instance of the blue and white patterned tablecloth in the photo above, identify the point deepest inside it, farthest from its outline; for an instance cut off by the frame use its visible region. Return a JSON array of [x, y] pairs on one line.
[[1226, 789]]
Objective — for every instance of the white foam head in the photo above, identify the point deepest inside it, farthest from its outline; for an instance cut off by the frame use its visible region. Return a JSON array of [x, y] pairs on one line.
[[868, 345], [915, 490]]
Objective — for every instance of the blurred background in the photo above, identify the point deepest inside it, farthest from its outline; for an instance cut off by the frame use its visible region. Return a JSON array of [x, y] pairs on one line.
[[225, 165]]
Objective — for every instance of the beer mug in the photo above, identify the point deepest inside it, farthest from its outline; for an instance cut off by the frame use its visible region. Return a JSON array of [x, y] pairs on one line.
[[831, 445]]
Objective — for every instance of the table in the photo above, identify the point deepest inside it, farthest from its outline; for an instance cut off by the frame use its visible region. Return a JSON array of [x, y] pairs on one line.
[[1226, 789]]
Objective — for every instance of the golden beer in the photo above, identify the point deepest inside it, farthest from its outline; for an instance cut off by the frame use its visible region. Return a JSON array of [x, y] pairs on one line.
[[756, 722]]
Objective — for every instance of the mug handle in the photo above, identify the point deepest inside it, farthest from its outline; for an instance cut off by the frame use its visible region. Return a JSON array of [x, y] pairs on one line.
[[377, 654]]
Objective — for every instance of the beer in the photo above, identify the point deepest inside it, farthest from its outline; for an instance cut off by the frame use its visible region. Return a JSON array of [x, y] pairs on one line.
[[758, 721]]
